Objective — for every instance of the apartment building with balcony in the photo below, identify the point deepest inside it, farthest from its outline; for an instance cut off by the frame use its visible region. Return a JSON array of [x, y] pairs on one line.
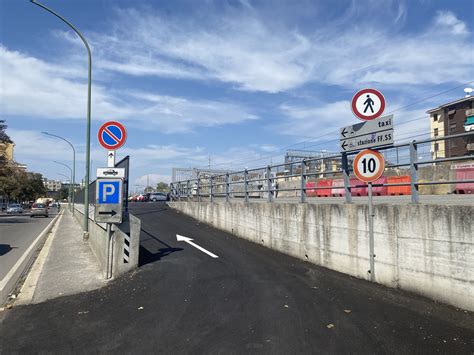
[[448, 119]]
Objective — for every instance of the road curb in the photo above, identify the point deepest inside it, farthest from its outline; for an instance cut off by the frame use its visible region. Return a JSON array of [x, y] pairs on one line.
[[29, 254]]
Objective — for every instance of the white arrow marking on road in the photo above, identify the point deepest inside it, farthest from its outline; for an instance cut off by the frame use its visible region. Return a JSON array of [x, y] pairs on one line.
[[180, 238]]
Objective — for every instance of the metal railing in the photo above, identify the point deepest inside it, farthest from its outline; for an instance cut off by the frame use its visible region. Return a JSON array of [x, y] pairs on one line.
[[263, 182]]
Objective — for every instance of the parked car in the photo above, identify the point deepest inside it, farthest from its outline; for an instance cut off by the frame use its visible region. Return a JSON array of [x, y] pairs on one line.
[[39, 209], [141, 198], [14, 208], [157, 196]]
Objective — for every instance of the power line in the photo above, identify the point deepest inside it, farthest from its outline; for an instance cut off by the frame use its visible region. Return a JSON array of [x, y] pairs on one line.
[[336, 131]]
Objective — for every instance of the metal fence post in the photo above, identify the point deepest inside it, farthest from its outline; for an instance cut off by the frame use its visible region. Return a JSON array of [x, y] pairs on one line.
[[269, 184], [303, 181], [188, 195], [179, 191], [246, 185], [227, 187], [415, 197], [347, 181], [198, 190], [211, 190]]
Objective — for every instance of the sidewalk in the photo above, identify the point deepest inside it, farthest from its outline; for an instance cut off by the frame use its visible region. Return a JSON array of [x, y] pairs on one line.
[[65, 266]]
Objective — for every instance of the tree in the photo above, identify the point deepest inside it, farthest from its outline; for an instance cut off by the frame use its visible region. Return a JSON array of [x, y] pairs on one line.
[[162, 187], [4, 137], [148, 189]]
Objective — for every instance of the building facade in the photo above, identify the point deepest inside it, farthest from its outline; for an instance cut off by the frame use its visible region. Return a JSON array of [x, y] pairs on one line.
[[450, 119], [52, 185], [6, 150]]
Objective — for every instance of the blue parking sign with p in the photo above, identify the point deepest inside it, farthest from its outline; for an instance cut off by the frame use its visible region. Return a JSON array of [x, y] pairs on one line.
[[108, 192]]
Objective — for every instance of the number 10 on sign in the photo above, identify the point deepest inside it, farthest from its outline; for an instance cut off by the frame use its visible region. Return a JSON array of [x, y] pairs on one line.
[[369, 165]]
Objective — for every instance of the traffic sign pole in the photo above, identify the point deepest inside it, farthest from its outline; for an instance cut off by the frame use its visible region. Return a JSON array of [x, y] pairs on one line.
[[369, 165], [371, 234], [111, 159]]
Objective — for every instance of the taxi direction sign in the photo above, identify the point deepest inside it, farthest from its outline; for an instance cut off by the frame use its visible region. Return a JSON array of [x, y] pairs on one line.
[[109, 203], [368, 104], [112, 135], [369, 165], [370, 134]]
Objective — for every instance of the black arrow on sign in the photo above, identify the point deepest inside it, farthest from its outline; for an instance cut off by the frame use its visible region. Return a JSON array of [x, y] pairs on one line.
[[344, 132], [111, 155], [344, 145], [112, 213]]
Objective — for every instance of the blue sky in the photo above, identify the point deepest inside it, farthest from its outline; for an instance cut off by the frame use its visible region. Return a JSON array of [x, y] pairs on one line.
[[237, 80]]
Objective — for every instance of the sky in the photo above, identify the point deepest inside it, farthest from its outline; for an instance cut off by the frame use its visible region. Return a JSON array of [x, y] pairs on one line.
[[231, 83]]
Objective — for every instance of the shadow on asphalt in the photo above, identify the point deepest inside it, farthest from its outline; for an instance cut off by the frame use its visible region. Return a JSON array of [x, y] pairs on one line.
[[148, 212], [13, 220], [5, 248], [149, 248]]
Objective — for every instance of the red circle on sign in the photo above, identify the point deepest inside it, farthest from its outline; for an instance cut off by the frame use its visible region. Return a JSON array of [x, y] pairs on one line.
[[360, 115], [379, 165], [119, 139]]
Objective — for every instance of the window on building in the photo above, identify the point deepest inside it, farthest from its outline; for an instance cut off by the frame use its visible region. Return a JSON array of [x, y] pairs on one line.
[[435, 117], [435, 132], [451, 116], [452, 143], [436, 147]]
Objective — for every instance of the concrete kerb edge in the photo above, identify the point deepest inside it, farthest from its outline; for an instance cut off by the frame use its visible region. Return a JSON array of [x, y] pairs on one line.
[[28, 288]]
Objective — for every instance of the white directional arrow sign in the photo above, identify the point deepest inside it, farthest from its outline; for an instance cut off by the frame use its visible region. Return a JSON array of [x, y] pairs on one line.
[[180, 238]]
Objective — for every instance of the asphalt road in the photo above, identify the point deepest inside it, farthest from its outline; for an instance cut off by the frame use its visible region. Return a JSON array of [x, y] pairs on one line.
[[17, 233], [248, 300]]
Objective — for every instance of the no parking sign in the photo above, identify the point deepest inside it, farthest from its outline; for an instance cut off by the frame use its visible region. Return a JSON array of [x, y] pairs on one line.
[[112, 135]]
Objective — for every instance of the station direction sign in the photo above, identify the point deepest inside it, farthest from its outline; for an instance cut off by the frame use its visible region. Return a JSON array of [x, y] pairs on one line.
[[109, 202], [368, 134]]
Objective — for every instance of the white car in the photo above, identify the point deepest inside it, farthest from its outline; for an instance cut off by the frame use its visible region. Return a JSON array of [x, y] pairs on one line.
[[14, 208], [157, 196]]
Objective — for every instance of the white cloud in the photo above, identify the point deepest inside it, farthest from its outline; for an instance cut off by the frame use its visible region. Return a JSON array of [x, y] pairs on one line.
[[31, 87], [449, 20], [245, 50], [177, 114], [314, 121], [318, 127]]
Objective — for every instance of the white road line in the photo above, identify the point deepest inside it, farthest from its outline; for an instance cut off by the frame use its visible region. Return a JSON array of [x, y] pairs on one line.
[[17, 265], [180, 238]]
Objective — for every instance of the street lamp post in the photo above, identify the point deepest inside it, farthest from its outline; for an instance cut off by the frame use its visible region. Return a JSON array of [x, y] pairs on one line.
[[73, 196], [67, 179], [67, 166], [88, 128]]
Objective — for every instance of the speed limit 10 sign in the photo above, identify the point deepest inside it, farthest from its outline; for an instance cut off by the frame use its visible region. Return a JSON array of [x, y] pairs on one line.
[[369, 165]]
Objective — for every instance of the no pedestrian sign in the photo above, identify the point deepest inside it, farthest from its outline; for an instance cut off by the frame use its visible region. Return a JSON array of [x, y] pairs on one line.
[[368, 104], [112, 135]]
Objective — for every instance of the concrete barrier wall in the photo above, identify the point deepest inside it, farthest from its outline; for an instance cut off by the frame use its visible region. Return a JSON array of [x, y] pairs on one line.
[[126, 239], [426, 249], [99, 243]]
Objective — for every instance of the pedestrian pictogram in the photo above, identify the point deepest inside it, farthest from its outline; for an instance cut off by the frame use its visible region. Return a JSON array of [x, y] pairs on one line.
[[368, 104], [369, 165], [112, 135]]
